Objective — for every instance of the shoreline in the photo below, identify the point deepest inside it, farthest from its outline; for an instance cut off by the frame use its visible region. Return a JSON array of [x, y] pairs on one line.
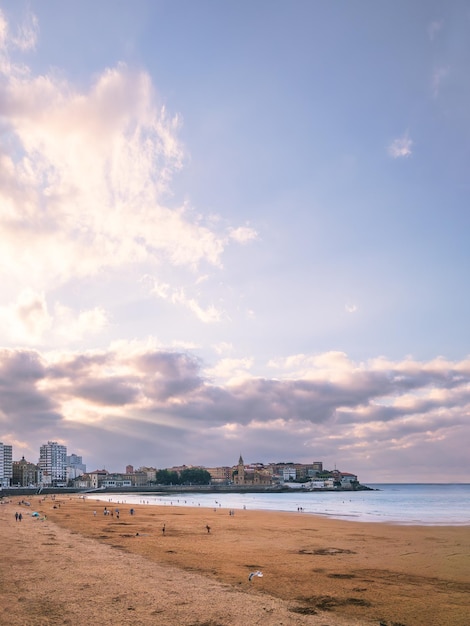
[[407, 504], [326, 516], [332, 516], [370, 507], [341, 571]]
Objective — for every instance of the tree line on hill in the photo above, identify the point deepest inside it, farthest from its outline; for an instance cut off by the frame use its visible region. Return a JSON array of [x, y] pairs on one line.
[[187, 476]]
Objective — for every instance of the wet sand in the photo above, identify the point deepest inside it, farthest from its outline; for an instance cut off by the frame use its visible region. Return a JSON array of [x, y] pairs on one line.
[[76, 567]]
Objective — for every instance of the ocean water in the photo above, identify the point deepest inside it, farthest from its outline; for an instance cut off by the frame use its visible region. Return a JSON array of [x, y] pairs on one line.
[[428, 504]]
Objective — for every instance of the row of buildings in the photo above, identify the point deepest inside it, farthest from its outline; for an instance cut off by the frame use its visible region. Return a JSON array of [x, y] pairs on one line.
[[57, 469], [54, 467]]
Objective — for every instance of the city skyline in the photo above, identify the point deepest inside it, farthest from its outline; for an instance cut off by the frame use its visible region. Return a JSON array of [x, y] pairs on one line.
[[237, 228], [52, 450], [56, 468]]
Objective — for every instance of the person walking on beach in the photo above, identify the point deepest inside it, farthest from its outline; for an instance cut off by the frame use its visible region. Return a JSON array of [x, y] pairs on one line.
[[20, 517], [16, 515], [208, 528]]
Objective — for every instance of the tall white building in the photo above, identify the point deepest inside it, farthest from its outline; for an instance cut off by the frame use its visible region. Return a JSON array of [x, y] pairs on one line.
[[53, 463], [6, 464]]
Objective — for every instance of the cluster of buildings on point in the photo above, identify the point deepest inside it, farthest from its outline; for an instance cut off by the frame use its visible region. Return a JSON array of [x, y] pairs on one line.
[[57, 469]]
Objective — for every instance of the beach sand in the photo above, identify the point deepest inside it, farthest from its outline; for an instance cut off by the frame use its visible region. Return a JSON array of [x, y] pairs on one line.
[[79, 568]]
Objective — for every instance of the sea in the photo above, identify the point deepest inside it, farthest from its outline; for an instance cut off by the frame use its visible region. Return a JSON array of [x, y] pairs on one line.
[[415, 504]]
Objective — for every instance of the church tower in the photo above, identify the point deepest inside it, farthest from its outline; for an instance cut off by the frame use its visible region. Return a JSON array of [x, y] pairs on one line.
[[241, 471]]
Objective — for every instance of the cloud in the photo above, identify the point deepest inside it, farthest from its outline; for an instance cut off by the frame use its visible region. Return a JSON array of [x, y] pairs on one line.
[[231, 371], [322, 406], [400, 147], [243, 234], [29, 321], [350, 308], [25, 37], [23, 405], [433, 29], [27, 34], [208, 314], [223, 347], [110, 147], [85, 183], [331, 366], [438, 77], [3, 31], [86, 179], [75, 327], [178, 296]]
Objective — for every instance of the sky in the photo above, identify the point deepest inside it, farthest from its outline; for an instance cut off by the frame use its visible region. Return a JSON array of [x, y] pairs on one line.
[[237, 228]]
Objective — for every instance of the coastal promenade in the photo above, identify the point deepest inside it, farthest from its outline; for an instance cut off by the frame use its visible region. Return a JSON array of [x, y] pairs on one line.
[[164, 489], [74, 564]]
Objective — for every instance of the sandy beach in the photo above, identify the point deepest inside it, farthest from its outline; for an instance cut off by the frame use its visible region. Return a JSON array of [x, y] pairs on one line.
[[191, 566]]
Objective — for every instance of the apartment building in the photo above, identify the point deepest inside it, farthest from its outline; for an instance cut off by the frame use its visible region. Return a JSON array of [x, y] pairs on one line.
[[220, 474], [6, 465], [53, 463]]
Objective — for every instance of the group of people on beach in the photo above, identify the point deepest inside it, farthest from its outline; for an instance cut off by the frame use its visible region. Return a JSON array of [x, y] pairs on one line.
[[110, 512]]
